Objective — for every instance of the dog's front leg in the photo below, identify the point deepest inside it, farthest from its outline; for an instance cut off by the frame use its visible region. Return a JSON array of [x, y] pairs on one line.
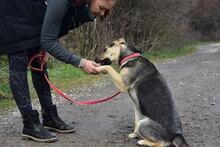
[[137, 118], [117, 79]]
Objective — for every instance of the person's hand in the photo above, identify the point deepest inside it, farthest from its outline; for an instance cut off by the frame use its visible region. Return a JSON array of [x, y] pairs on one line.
[[89, 66]]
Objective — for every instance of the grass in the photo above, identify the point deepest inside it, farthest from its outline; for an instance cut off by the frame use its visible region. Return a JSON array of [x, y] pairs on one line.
[[162, 55], [6, 104], [66, 77]]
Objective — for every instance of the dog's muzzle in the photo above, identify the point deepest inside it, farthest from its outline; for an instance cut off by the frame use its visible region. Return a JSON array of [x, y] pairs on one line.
[[105, 61]]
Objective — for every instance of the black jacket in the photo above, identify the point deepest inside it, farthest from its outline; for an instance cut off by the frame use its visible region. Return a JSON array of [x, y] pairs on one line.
[[29, 23]]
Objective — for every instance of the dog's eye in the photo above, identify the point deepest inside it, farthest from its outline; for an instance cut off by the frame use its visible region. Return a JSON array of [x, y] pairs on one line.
[[122, 42], [111, 45]]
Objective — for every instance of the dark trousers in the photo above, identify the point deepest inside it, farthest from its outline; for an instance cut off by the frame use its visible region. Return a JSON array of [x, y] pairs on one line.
[[18, 64]]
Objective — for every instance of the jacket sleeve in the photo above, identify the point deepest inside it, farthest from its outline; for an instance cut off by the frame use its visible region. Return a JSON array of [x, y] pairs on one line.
[[55, 13]]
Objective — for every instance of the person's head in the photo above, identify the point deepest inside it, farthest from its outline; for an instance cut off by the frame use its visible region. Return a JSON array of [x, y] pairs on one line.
[[101, 7], [98, 7]]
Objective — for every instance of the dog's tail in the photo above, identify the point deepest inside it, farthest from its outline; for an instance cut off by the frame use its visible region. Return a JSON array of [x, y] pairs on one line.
[[179, 141]]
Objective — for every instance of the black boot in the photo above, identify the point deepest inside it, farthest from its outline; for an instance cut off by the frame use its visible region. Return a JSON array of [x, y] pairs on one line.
[[33, 129], [52, 121]]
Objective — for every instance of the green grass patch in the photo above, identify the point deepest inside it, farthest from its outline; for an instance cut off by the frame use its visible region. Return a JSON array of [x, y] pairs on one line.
[[161, 55], [6, 104], [4, 89], [4, 86], [67, 77]]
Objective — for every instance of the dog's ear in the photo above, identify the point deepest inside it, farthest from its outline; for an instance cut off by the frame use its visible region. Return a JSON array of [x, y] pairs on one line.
[[122, 43]]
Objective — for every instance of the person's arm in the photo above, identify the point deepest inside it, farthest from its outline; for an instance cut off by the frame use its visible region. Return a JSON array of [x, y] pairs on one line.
[[55, 13]]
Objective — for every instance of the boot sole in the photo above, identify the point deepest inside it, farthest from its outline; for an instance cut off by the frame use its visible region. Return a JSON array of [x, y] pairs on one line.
[[28, 137], [60, 131]]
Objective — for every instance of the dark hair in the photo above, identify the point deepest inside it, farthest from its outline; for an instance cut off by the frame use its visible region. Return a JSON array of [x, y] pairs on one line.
[[79, 2]]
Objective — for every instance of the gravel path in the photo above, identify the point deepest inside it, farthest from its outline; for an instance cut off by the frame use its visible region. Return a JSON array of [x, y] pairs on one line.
[[194, 81]]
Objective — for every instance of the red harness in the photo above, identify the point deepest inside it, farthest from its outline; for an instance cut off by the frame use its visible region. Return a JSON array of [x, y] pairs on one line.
[[125, 59]]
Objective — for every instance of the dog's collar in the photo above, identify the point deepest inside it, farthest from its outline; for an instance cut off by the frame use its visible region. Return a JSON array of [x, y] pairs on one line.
[[128, 58]]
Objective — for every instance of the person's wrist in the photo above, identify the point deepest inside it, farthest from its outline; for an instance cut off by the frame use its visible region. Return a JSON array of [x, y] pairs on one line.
[[82, 63]]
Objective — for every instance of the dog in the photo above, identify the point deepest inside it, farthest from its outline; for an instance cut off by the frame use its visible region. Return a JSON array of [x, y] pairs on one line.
[[157, 121]]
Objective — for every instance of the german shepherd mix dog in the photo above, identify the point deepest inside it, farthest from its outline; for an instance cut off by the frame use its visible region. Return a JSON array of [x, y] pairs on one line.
[[156, 120]]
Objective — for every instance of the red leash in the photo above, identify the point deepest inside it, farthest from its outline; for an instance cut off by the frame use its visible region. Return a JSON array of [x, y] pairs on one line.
[[41, 57]]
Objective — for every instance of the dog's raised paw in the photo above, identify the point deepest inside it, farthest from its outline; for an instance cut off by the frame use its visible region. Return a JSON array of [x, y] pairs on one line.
[[132, 135]]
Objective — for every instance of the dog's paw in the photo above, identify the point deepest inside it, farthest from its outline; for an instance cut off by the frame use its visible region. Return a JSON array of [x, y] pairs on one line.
[[102, 69], [141, 142], [133, 135]]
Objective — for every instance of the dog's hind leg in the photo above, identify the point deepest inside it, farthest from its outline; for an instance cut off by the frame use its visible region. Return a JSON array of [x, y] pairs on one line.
[[153, 134], [117, 79], [146, 142]]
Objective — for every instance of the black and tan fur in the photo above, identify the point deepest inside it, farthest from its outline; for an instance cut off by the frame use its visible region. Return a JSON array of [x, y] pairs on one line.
[[157, 121]]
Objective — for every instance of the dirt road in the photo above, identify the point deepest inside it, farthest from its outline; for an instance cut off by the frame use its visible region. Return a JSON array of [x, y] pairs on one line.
[[195, 84]]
